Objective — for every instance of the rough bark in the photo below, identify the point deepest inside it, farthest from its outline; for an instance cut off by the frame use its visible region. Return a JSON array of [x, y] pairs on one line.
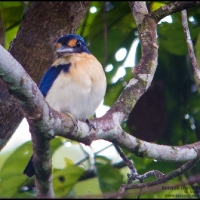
[[46, 123], [172, 8]]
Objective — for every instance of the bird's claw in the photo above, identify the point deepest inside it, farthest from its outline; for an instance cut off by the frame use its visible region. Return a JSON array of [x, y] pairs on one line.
[[91, 126]]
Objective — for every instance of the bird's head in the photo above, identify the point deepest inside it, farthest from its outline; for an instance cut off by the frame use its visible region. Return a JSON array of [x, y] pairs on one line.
[[69, 44]]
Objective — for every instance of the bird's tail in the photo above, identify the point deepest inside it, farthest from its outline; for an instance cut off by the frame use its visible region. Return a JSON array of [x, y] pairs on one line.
[[30, 170]]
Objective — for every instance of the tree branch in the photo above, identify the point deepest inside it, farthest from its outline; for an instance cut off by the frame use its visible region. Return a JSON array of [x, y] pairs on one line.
[[108, 127], [145, 69], [49, 123], [162, 179], [190, 180], [45, 123], [190, 46], [172, 8]]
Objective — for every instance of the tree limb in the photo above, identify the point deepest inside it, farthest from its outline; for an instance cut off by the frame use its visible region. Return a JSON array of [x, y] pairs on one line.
[[49, 123], [54, 123], [172, 8], [162, 179], [45, 123], [190, 46], [108, 127]]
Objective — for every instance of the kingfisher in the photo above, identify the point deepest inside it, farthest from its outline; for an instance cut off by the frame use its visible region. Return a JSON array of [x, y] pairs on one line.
[[75, 83]]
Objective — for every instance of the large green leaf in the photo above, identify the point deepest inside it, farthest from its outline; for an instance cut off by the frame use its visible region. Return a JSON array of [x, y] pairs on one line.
[[65, 179], [110, 178], [11, 13], [10, 34], [12, 177], [171, 36]]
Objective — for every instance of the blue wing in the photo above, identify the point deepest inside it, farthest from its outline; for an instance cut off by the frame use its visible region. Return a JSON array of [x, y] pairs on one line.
[[50, 76]]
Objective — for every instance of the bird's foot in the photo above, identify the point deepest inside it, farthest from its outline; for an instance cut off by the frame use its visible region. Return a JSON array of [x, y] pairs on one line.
[[74, 120], [91, 126]]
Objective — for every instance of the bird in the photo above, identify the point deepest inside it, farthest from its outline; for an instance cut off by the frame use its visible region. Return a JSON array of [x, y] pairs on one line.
[[75, 83]]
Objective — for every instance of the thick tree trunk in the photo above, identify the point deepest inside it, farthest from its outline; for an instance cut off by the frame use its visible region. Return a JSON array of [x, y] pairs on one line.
[[33, 47]]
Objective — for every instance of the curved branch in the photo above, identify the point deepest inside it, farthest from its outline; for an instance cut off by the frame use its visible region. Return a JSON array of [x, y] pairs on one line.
[[172, 8], [46, 123], [145, 69], [50, 123]]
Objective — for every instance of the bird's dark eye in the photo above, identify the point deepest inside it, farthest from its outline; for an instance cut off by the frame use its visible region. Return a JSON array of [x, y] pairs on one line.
[[78, 43]]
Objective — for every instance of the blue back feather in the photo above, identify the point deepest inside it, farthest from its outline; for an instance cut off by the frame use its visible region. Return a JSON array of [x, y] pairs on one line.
[[50, 76]]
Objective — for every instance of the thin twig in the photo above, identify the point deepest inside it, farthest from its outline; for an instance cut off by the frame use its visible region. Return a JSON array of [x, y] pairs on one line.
[[128, 162], [163, 179], [190, 45], [85, 158], [105, 35], [171, 8]]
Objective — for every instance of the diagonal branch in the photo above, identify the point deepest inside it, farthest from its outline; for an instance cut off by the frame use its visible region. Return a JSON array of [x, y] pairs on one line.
[[162, 179], [145, 69], [50, 123], [45, 123], [172, 8], [190, 46]]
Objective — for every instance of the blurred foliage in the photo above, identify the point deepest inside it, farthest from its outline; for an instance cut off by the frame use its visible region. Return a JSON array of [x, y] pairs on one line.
[[171, 118], [107, 183]]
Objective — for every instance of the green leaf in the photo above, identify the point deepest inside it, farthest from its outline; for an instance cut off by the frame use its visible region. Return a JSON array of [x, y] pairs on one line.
[[156, 5], [68, 162], [172, 38], [65, 179], [12, 177], [110, 179], [11, 13], [10, 35]]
